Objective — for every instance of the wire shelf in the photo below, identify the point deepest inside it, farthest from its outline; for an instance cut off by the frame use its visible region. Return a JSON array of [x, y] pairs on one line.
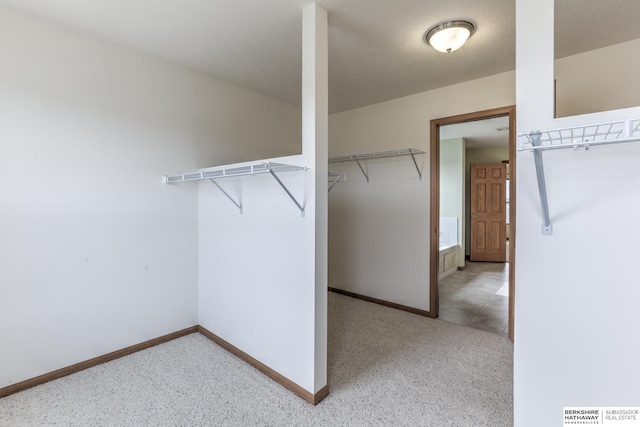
[[617, 132], [226, 172], [379, 155], [581, 136], [250, 170]]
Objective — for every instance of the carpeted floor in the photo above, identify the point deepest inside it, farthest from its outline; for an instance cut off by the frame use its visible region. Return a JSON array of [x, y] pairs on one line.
[[386, 368]]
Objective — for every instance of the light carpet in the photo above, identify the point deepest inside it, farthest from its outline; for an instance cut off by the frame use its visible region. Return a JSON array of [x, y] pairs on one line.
[[386, 368]]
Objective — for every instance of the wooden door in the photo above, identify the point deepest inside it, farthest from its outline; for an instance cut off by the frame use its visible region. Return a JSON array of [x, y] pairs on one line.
[[488, 212]]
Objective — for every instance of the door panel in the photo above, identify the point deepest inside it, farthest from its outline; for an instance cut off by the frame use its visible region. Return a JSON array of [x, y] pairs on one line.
[[488, 213], [481, 234], [481, 199], [495, 235], [496, 198]]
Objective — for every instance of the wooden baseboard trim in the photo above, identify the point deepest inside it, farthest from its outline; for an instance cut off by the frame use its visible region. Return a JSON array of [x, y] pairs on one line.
[[312, 398], [324, 392], [81, 366], [382, 302]]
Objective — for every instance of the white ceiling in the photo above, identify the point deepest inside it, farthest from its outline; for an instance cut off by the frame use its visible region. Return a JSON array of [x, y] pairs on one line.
[[376, 51], [583, 25]]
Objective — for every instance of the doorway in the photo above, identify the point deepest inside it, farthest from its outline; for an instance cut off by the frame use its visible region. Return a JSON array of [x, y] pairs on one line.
[[509, 113]]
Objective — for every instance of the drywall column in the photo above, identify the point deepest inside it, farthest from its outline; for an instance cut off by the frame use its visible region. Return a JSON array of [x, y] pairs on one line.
[[576, 312], [262, 272], [533, 101], [315, 125]]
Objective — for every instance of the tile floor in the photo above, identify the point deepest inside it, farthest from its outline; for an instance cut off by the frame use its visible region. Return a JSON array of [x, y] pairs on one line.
[[477, 296]]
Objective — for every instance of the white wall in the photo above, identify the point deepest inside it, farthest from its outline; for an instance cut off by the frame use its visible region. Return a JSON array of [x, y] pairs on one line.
[[256, 270], [576, 292], [479, 155], [607, 79], [263, 285], [452, 187], [379, 232], [95, 253]]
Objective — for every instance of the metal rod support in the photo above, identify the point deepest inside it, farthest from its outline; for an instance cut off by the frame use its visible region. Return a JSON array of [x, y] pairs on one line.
[[238, 205], [547, 228], [287, 191], [416, 164], [363, 172], [335, 181], [333, 184], [337, 177]]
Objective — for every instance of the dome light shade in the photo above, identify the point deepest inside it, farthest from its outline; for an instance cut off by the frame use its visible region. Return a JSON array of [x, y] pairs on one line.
[[449, 36]]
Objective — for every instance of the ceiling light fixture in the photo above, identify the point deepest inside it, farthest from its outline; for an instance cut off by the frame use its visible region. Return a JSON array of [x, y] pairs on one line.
[[450, 35]]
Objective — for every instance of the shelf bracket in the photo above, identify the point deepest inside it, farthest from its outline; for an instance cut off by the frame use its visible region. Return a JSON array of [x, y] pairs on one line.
[[547, 228], [413, 157], [333, 184], [287, 191], [238, 205], [338, 177], [362, 169]]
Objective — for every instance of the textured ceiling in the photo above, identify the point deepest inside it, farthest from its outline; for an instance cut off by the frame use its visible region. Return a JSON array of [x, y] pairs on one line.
[[376, 52], [583, 25]]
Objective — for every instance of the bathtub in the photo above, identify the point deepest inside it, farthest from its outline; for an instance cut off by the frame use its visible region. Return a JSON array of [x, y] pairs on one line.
[[448, 263]]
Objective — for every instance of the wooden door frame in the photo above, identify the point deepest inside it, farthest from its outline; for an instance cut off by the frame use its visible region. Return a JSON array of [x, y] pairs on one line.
[[510, 111]]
